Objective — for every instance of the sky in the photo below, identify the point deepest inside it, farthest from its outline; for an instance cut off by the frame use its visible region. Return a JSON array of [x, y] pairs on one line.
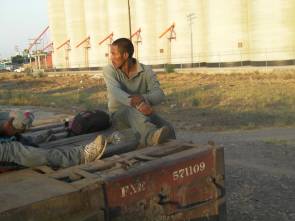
[[20, 20]]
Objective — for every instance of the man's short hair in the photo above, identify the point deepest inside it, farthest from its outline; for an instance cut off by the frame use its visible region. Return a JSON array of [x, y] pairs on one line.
[[124, 45]]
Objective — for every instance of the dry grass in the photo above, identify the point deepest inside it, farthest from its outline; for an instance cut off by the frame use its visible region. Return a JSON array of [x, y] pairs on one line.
[[78, 92], [223, 101], [194, 101]]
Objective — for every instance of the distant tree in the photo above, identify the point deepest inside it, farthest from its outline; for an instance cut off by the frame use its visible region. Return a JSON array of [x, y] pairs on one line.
[[18, 59], [26, 51]]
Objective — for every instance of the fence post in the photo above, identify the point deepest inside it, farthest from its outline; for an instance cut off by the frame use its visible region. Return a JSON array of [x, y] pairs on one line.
[[219, 60], [266, 59], [241, 59]]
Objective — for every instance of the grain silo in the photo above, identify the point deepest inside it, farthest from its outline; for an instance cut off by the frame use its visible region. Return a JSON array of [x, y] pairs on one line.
[[272, 30], [147, 24], [162, 24], [58, 32], [118, 18], [75, 26], [96, 21], [188, 29], [227, 34], [196, 16], [177, 13], [224, 32]]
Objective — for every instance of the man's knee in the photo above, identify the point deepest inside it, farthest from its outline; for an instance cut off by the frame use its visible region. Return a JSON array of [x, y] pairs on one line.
[[131, 114]]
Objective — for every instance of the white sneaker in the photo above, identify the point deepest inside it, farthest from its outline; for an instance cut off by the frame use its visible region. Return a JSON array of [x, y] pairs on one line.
[[95, 149]]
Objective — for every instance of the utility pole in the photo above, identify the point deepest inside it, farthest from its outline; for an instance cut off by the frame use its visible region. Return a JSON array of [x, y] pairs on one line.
[[129, 19], [37, 54], [190, 18], [16, 49], [29, 53]]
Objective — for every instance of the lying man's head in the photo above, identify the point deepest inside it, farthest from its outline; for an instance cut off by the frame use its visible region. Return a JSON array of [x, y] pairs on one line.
[[12, 123]]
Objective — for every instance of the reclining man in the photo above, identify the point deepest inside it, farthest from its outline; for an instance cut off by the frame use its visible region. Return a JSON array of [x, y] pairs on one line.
[[25, 155], [133, 90]]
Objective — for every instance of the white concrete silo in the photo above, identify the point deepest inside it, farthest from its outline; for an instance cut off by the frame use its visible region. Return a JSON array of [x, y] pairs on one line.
[[187, 46], [118, 18], [96, 21], [272, 30], [75, 25], [162, 23], [227, 30], [177, 12], [57, 29], [147, 23], [199, 42]]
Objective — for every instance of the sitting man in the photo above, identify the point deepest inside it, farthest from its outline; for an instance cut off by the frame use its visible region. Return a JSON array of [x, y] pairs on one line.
[[25, 155], [133, 90]]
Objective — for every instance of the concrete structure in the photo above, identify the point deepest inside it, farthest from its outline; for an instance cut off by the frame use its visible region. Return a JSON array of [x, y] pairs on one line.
[[148, 26], [76, 31], [208, 32], [57, 24], [96, 22], [272, 30], [226, 30]]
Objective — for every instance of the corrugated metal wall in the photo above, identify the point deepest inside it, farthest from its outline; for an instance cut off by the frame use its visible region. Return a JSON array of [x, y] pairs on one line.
[[222, 31]]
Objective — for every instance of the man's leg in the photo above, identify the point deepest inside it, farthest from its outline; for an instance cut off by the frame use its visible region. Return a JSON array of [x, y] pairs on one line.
[[23, 155], [66, 157], [70, 156], [139, 123], [160, 122], [31, 157], [143, 126]]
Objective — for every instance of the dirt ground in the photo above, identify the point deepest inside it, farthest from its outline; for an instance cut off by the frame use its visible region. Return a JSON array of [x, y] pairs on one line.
[[260, 175]]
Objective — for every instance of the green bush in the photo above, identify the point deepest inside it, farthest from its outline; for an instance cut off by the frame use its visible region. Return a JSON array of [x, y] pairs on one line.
[[195, 102], [169, 68]]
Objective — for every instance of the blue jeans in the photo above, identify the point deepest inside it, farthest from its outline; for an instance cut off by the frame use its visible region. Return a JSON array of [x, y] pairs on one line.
[[30, 156], [143, 126]]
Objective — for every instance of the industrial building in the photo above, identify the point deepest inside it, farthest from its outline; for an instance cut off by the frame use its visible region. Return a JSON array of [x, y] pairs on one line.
[[188, 32]]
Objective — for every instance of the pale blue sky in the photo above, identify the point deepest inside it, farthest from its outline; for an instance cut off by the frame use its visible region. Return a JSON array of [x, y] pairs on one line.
[[20, 20]]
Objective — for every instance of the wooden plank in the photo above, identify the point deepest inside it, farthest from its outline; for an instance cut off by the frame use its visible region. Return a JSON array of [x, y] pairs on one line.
[[23, 187], [43, 169], [119, 186]]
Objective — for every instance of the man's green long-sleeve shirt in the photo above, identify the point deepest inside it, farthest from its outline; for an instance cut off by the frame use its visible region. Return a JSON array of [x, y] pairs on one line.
[[143, 83]]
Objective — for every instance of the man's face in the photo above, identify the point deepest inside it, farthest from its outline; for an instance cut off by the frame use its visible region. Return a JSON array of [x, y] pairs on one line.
[[118, 59]]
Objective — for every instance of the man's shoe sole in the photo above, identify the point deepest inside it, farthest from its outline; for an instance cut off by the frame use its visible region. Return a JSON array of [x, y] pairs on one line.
[[102, 142], [161, 136]]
